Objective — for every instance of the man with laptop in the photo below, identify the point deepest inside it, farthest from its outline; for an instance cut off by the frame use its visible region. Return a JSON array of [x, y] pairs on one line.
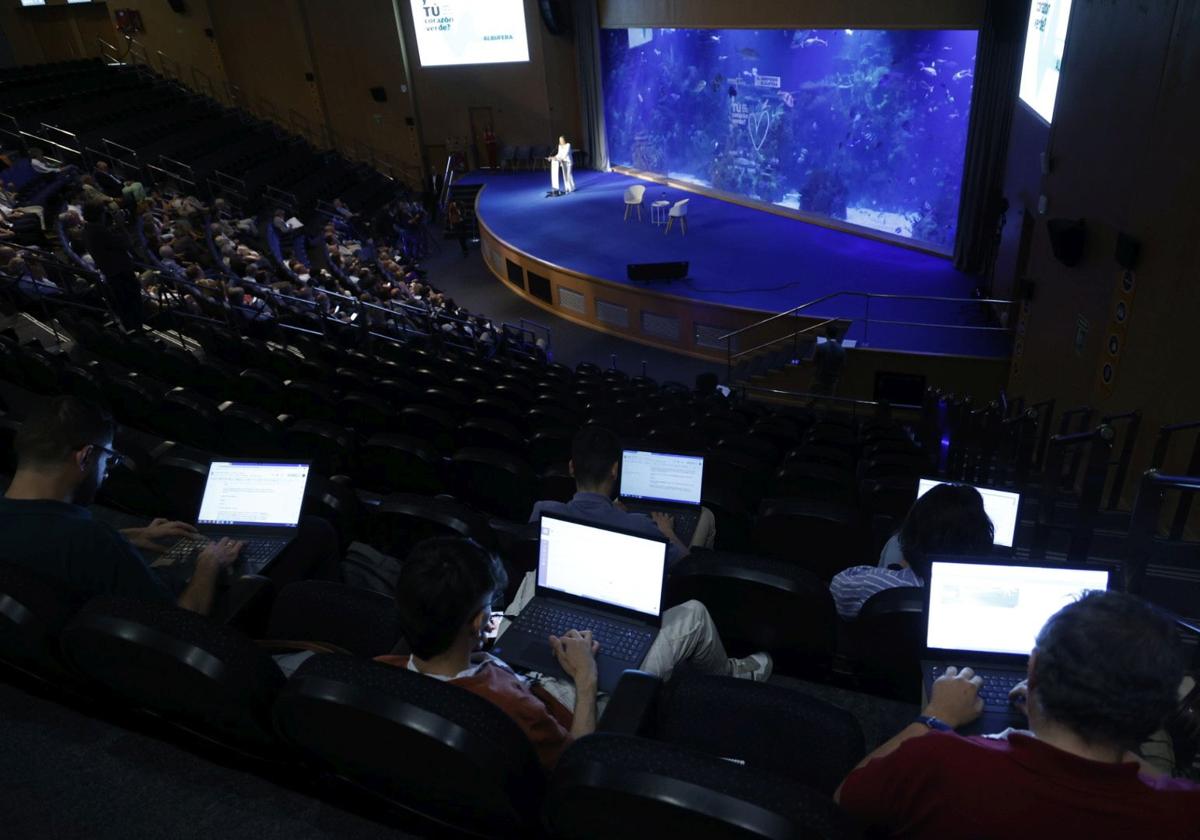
[[587, 623], [1102, 676], [663, 492]]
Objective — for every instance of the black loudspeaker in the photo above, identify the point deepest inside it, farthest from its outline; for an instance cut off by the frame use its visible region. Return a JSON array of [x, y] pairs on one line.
[[1128, 251], [1067, 239], [650, 272], [554, 15], [178, 6], [379, 94]]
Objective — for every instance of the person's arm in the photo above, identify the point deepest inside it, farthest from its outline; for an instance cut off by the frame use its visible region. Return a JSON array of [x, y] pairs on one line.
[[576, 653], [666, 526], [954, 700], [198, 596], [150, 538]]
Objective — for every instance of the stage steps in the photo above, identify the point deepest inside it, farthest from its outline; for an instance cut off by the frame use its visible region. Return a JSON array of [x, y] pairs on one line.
[[465, 195]]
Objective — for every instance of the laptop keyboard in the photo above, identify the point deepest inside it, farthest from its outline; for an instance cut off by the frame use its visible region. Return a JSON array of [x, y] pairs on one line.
[[616, 640], [995, 688], [685, 520], [255, 554]]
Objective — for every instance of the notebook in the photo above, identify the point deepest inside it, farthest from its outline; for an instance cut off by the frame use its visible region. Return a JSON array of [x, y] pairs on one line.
[[1002, 507], [606, 580], [665, 482], [256, 502], [986, 615]]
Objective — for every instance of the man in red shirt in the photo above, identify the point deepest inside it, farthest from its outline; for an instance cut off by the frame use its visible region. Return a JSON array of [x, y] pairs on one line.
[[1103, 676]]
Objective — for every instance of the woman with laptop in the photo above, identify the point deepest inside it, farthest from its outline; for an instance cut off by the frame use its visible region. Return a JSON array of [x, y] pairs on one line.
[[948, 519]]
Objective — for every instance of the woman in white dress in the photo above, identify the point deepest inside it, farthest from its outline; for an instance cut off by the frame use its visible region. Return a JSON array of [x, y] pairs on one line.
[[564, 160]]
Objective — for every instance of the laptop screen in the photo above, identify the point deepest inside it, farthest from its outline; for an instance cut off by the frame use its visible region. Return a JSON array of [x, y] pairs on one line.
[[662, 477], [997, 608], [253, 494], [612, 567], [1001, 507]]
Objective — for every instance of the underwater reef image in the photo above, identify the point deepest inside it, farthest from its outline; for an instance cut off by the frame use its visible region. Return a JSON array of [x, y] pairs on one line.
[[864, 126]]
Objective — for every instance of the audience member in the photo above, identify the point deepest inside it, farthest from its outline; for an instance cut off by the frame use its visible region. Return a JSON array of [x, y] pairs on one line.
[[595, 462], [445, 594], [1102, 676], [828, 359], [109, 247], [949, 519]]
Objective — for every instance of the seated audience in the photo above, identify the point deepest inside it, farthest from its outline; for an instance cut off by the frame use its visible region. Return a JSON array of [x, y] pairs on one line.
[[949, 519], [445, 594], [1102, 676], [595, 462]]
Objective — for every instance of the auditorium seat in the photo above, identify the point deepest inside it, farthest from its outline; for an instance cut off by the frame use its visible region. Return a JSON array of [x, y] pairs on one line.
[[247, 432], [365, 414], [401, 520], [33, 612], [181, 668], [494, 481], [178, 474], [606, 783], [885, 643], [813, 454], [329, 447], [491, 433], [814, 481], [359, 621], [187, 417], [549, 446], [822, 537], [310, 400], [709, 714], [761, 604], [429, 423], [391, 463]]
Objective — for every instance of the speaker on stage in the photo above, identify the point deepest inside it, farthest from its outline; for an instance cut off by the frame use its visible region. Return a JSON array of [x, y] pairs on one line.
[[651, 272]]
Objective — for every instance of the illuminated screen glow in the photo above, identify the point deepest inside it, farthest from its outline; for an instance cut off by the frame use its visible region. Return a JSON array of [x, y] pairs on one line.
[[1044, 43], [451, 32], [864, 126]]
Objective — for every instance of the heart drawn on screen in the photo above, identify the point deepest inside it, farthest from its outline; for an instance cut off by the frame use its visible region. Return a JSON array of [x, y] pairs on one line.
[[759, 124]]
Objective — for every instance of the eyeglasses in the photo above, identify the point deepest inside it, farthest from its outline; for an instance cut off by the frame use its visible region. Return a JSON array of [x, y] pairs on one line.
[[115, 458]]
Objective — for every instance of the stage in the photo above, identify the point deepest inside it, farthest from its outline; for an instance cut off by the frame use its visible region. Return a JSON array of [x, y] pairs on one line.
[[568, 255]]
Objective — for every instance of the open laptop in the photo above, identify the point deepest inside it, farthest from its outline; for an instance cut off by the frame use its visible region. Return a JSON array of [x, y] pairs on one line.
[[665, 482], [602, 579], [986, 615], [1002, 507], [256, 502]]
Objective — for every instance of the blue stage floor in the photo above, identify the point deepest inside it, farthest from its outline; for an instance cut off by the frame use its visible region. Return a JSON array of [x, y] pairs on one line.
[[741, 257]]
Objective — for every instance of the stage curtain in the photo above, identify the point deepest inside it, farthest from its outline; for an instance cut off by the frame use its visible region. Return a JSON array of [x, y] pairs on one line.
[[591, 92], [997, 81]]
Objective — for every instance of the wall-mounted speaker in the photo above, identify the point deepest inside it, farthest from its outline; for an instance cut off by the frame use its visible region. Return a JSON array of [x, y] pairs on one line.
[[1128, 251], [554, 16], [178, 6], [1068, 237], [379, 94]]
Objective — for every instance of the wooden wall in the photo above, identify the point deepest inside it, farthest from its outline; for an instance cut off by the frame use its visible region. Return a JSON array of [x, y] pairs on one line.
[[55, 32], [1123, 153]]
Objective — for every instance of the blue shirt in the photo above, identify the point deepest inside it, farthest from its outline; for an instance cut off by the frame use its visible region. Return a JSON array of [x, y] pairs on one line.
[[600, 510], [852, 587], [62, 542]]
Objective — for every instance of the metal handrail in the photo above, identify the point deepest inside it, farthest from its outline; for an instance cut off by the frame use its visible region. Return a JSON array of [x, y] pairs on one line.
[[781, 339], [868, 296], [851, 401]]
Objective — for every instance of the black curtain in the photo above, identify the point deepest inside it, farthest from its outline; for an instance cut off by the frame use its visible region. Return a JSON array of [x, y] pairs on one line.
[[586, 20], [997, 80]]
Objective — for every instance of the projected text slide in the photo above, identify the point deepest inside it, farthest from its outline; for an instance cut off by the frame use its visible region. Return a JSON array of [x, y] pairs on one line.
[[451, 32], [1044, 44]]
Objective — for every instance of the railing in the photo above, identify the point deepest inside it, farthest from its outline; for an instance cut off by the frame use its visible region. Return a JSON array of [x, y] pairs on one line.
[[447, 180], [1147, 511], [1099, 443], [1158, 460], [854, 405], [865, 318], [532, 326]]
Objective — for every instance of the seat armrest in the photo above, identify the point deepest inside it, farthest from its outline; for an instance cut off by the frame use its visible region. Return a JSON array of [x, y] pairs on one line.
[[632, 707]]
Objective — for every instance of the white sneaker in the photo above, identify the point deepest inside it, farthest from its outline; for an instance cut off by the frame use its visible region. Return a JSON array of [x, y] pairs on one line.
[[756, 667]]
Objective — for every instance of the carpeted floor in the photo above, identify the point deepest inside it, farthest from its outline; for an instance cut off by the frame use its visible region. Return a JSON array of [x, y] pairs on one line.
[[741, 257]]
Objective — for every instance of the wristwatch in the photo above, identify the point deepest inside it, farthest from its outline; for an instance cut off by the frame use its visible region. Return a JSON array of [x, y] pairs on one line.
[[934, 723]]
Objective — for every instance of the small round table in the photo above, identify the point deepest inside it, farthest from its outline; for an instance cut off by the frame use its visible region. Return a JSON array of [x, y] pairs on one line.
[[658, 212]]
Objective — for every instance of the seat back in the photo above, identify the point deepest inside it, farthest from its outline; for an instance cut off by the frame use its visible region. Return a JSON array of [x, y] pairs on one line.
[[821, 537], [33, 612], [204, 677], [709, 713], [886, 642], [634, 194], [358, 620], [426, 747], [495, 481], [679, 208], [605, 784]]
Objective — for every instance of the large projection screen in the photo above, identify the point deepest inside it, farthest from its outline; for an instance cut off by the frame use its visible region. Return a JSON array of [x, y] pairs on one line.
[[867, 127], [1044, 44], [454, 32]]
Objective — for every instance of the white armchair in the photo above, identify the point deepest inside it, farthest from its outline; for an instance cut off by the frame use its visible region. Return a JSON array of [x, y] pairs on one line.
[[678, 211], [633, 200]]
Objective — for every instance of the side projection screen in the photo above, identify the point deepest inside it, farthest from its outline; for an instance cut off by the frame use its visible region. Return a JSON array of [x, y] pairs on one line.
[[867, 127], [451, 32]]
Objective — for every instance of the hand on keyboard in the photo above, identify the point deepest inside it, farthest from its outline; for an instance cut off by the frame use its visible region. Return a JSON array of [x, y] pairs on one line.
[[665, 523], [955, 698], [1019, 696], [220, 554], [576, 653]]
